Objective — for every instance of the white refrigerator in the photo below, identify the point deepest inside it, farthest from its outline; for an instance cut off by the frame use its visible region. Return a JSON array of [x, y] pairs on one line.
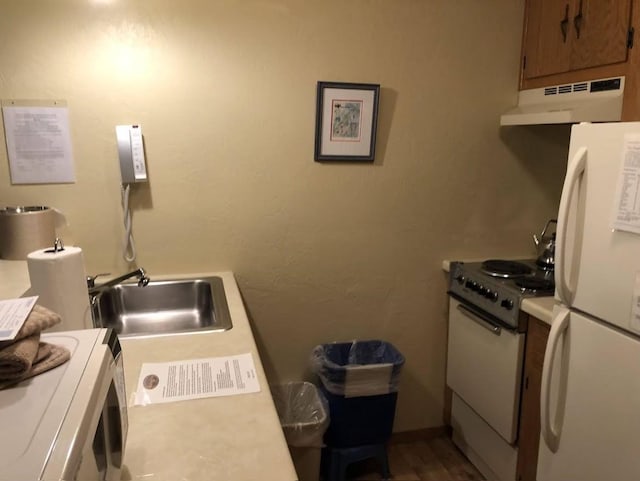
[[590, 399]]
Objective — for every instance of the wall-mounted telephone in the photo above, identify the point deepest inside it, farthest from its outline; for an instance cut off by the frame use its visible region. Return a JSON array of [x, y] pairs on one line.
[[131, 154], [132, 170]]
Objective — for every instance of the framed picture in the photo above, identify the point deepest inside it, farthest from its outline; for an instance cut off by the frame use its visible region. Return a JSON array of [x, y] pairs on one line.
[[346, 121]]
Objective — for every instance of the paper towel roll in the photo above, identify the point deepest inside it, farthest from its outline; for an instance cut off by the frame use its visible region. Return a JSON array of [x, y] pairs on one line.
[[59, 279]]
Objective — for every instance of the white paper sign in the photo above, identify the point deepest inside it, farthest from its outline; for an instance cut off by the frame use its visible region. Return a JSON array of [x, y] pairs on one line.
[[38, 144], [196, 378], [13, 313], [627, 200]]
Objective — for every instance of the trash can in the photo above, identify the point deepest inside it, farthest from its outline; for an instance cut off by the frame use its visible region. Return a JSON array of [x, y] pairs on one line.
[[360, 382], [304, 419]]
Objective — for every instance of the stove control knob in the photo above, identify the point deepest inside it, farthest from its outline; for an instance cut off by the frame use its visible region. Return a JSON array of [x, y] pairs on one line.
[[460, 278], [492, 296], [482, 290], [507, 304], [471, 285]]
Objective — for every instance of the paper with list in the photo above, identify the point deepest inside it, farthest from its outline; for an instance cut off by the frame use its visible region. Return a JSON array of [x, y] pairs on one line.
[[627, 201], [13, 313], [195, 379]]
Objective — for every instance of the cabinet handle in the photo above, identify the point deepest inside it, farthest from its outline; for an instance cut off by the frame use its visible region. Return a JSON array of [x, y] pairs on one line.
[[577, 20], [564, 23]]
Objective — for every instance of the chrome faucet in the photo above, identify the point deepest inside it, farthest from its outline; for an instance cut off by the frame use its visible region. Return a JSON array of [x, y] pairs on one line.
[[143, 280]]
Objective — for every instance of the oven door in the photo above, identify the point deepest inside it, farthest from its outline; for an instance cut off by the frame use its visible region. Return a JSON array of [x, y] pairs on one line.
[[484, 367]]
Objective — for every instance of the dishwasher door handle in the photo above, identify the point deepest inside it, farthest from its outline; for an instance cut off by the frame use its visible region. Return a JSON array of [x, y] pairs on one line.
[[480, 320]]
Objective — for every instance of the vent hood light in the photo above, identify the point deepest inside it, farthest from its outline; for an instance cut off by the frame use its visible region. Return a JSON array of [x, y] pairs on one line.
[[590, 101]]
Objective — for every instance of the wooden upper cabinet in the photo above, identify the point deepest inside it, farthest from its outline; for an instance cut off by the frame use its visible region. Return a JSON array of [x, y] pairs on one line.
[[600, 33], [568, 35], [546, 38]]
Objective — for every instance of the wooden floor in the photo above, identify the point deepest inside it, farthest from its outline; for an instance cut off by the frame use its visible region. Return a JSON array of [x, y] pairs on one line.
[[436, 459]]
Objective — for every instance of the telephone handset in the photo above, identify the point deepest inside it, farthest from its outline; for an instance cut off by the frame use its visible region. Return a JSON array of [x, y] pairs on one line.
[[132, 170], [131, 154]]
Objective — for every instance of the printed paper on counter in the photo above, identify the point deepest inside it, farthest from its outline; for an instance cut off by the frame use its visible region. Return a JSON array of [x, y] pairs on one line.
[[196, 379], [13, 313], [627, 200]]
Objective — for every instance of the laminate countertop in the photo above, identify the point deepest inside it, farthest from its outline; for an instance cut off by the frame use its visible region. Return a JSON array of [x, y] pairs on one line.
[[223, 438], [539, 307]]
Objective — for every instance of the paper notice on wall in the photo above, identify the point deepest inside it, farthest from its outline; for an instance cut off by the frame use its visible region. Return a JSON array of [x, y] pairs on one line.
[[38, 144], [196, 379], [635, 306], [627, 200]]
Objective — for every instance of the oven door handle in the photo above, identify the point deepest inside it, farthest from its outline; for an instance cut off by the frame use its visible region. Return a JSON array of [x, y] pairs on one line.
[[480, 319]]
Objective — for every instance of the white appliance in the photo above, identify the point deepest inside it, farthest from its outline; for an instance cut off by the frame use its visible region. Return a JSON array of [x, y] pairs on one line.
[[590, 400], [69, 423], [485, 353], [484, 369], [587, 101]]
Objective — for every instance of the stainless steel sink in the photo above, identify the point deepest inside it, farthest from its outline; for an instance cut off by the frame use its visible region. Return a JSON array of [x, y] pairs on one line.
[[163, 307]]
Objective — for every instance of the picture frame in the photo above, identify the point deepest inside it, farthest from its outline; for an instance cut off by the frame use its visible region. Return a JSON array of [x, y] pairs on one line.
[[346, 121]]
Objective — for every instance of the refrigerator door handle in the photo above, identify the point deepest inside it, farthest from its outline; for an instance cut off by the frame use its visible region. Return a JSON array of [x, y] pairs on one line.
[[575, 170], [551, 428]]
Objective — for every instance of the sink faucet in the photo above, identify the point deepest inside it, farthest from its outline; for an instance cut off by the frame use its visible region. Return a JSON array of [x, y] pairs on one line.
[[143, 280]]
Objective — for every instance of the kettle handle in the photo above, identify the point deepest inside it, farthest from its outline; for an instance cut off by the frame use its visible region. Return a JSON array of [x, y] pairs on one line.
[[554, 221]]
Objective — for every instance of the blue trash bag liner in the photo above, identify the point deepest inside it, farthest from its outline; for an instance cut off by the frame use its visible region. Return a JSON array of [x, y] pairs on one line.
[[358, 368]]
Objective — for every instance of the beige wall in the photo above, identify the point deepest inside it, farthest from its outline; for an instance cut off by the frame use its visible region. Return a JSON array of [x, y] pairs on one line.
[[225, 92]]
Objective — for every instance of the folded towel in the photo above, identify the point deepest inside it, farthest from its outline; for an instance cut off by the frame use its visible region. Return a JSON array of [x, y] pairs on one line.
[[47, 357], [16, 359], [25, 356]]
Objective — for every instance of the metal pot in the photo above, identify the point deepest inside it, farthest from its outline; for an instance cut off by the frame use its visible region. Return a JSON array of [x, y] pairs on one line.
[[25, 229], [546, 247]]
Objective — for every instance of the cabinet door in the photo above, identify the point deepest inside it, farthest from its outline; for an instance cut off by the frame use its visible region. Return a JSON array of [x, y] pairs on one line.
[[529, 434], [568, 35], [599, 31], [546, 40]]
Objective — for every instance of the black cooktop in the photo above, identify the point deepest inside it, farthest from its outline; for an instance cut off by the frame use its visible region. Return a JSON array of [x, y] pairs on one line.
[[506, 269], [498, 286], [524, 275]]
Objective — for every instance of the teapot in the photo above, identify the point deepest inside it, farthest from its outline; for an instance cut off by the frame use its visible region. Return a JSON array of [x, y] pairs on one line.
[[546, 247]]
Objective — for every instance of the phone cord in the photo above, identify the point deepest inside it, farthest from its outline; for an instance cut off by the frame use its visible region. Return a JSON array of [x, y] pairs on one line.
[[128, 246]]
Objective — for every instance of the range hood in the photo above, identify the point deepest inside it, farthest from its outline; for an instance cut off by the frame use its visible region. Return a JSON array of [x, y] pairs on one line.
[[590, 101]]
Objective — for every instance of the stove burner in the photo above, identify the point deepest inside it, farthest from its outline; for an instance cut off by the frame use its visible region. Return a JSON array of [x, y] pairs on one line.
[[534, 284], [505, 269]]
